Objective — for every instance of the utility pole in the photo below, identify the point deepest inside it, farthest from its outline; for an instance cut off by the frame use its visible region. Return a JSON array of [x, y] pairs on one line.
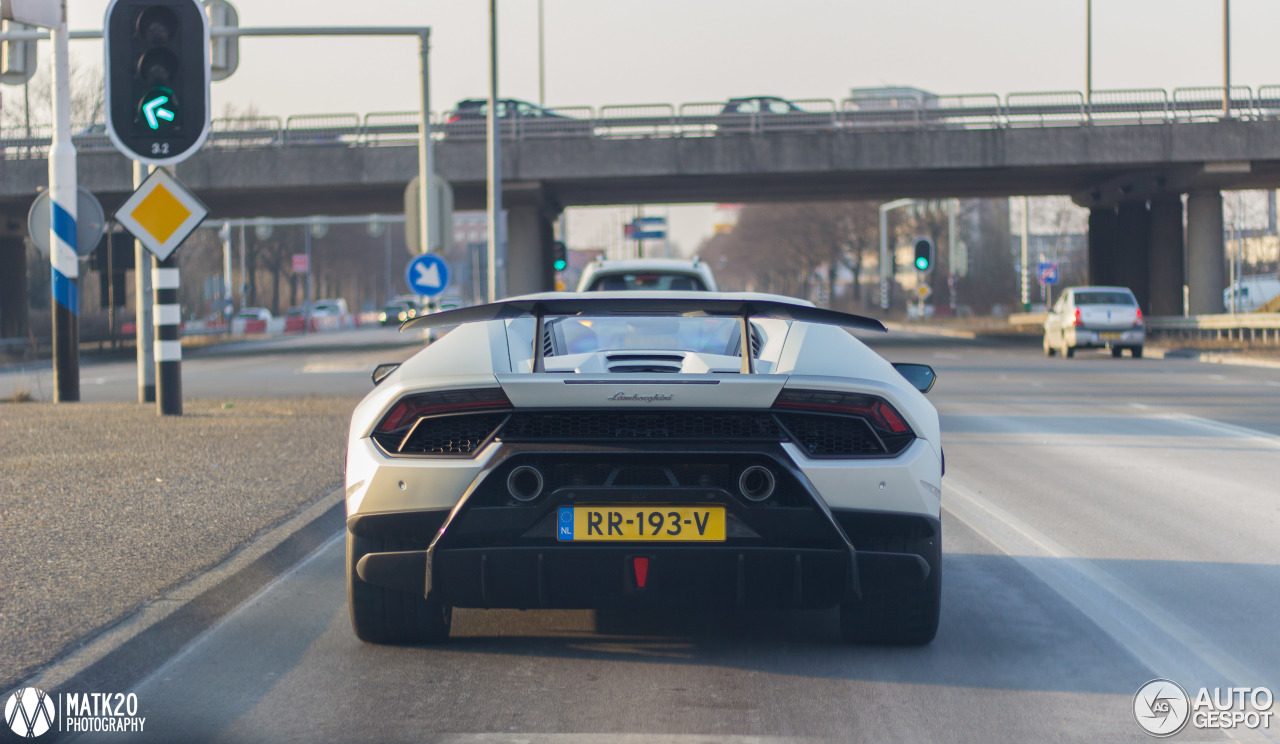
[[1026, 236], [1088, 51], [497, 251], [64, 262], [542, 61], [1226, 58]]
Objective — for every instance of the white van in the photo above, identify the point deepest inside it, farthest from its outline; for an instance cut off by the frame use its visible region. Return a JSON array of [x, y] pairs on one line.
[[1254, 292]]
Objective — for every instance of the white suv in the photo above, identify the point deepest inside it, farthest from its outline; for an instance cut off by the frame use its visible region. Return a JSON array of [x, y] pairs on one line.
[[647, 274]]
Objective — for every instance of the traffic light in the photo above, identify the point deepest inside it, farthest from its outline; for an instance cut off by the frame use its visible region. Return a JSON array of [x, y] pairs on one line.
[[924, 254], [559, 256], [157, 78]]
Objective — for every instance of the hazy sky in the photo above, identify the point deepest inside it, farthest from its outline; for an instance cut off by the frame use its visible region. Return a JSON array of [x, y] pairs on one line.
[[674, 51]]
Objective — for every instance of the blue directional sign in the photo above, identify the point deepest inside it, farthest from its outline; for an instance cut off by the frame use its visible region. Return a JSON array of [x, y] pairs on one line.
[[648, 235], [1048, 273], [427, 275]]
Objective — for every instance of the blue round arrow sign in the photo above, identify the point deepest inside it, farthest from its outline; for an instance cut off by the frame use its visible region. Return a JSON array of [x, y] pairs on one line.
[[427, 275]]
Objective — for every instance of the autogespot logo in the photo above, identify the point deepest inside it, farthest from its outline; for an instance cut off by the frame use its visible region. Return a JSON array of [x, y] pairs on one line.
[[1161, 707], [30, 712]]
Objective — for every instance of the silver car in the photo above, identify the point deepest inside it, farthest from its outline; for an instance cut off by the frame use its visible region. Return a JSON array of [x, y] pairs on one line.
[[1093, 318]]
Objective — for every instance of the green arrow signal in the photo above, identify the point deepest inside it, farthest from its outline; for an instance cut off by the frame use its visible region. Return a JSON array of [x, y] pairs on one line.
[[154, 110], [159, 110]]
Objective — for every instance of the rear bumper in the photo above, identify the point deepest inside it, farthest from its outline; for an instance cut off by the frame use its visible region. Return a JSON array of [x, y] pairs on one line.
[[1088, 337], [594, 576]]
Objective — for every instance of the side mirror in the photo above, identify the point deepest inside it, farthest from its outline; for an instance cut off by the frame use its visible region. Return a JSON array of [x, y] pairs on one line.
[[381, 371], [921, 376]]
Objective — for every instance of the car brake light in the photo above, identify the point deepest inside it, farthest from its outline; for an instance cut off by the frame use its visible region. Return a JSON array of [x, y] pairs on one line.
[[1077, 321], [410, 408], [452, 118], [1137, 318], [879, 412]]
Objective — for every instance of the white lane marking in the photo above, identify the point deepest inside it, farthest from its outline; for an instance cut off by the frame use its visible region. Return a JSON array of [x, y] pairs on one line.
[[328, 368], [1157, 639], [1253, 435], [1141, 406]]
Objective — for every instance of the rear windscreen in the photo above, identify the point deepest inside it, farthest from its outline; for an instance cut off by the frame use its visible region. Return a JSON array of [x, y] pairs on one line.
[[646, 280], [1104, 298]]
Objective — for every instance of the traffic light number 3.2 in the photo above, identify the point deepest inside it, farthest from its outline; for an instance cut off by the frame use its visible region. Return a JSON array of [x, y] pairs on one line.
[[159, 148]]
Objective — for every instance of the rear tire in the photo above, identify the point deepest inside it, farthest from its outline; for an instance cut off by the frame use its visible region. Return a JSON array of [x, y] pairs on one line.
[[1048, 349], [1069, 351], [1136, 351], [895, 614], [380, 615], [1116, 351]]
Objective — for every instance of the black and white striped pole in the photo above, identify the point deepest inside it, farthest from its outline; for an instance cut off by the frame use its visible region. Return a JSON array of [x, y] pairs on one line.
[[165, 279]]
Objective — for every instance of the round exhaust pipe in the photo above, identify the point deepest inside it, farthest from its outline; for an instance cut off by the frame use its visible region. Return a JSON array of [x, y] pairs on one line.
[[524, 483], [756, 483]]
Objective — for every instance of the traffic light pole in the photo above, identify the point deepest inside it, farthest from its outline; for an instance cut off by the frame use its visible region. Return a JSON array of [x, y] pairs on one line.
[[144, 331], [63, 260]]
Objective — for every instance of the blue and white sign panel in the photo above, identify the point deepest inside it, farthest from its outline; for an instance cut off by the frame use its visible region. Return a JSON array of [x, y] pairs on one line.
[[427, 275], [1048, 273]]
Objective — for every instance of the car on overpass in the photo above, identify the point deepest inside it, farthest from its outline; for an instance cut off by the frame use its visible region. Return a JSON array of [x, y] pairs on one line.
[[1094, 318], [469, 119], [647, 273], [757, 113], [645, 449]]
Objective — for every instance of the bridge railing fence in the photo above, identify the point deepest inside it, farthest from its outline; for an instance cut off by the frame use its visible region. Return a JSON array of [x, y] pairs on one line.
[[235, 132], [1136, 106], [966, 111], [815, 114], [563, 121], [708, 118], [902, 112], [322, 129], [642, 120], [1205, 103], [1059, 108], [1267, 102], [390, 128]]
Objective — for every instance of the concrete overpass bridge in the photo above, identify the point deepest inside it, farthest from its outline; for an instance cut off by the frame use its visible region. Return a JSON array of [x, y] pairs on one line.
[[1126, 155]]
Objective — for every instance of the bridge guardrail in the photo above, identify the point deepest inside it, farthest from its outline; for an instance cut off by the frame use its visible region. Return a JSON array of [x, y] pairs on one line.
[[1250, 327], [968, 111], [1061, 108]]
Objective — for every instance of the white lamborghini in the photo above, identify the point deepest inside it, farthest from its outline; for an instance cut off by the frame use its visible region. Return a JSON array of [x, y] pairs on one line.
[[623, 449]]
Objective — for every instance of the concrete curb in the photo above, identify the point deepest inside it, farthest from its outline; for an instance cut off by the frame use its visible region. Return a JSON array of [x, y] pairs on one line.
[[122, 655]]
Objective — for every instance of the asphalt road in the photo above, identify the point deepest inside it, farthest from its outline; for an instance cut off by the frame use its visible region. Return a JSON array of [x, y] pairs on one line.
[[1106, 521]]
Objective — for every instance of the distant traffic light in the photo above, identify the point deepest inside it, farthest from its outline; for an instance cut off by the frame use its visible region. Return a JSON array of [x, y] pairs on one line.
[[157, 78], [924, 254], [559, 256]]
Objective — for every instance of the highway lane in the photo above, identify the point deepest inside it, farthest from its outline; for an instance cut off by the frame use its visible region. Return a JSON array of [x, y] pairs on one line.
[[1106, 522]]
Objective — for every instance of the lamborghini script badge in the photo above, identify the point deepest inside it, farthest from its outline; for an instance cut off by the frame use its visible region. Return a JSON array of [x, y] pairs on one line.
[[640, 398]]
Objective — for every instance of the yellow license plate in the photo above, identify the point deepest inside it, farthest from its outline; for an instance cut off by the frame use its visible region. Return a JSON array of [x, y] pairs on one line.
[[1109, 336], [641, 523]]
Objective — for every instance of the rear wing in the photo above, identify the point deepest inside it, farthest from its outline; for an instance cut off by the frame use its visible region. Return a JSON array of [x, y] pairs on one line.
[[690, 307]]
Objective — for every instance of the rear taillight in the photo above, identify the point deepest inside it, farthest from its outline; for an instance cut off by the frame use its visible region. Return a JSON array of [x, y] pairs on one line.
[[452, 118], [881, 415], [1077, 320], [1137, 318], [406, 412]]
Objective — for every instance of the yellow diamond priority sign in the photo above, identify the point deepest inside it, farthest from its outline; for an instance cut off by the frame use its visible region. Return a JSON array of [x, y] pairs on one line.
[[161, 213]]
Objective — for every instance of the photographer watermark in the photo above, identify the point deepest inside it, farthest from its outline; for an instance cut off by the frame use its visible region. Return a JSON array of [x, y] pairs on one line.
[[31, 712], [1163, 708]]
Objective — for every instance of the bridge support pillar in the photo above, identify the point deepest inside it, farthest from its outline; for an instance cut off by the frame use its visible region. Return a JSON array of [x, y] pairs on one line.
[[1131, 251], [530, 234], [1166, 256], [1206, 252], [13, 285], [1102, 240]]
